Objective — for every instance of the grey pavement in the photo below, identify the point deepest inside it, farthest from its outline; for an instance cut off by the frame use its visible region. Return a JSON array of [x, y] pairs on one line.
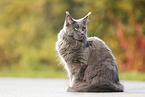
[[45, 87]]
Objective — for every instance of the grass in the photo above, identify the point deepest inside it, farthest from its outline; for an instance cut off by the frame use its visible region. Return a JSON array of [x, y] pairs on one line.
[[52, 72], [132, 76], [45, 72]]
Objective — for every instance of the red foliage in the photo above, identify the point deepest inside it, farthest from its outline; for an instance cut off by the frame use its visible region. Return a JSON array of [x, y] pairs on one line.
[[133, 47]]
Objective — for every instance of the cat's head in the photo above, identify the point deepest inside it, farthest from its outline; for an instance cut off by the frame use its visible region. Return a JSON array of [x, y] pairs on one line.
[[76, 28]]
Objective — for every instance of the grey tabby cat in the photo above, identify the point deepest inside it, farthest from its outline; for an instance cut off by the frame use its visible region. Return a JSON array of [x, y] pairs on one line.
[[88, 60]]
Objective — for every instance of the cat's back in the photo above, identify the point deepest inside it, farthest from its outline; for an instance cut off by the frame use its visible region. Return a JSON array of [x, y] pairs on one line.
[[101, 61], [99, 49], [98, 44]]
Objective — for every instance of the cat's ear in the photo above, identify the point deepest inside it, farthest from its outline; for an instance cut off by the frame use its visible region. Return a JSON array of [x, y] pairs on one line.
[[85, 19], [68, 19]]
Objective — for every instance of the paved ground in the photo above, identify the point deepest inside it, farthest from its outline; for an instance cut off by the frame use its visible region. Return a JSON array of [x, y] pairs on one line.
[[37, 87]]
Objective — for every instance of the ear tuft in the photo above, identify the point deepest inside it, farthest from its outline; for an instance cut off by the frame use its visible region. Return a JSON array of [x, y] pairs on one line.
[[68, 19], [85, 19], [88, 13], [67, 13]]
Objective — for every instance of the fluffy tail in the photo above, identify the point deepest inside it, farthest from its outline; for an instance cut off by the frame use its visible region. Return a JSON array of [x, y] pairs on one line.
[[99, 87]]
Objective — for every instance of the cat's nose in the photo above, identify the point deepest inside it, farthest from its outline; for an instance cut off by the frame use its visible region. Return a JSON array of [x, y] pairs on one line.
[[82, 33]]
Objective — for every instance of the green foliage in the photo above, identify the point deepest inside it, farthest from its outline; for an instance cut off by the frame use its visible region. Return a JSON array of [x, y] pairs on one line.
[[28, 32]]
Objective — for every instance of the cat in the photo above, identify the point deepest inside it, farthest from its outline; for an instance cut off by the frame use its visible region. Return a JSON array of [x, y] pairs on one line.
[[88, 61]]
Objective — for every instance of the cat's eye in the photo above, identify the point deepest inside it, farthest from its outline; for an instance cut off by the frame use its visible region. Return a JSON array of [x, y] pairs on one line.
[[84, 28], [76, 29]]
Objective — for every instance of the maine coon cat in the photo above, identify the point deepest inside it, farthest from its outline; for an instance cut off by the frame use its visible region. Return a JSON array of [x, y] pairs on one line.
[[88, 60]]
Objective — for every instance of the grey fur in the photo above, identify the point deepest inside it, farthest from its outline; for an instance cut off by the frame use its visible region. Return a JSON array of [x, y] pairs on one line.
[[88, 60]]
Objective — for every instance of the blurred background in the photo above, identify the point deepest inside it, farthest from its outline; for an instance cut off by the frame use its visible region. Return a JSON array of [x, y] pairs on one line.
[[29, 28]]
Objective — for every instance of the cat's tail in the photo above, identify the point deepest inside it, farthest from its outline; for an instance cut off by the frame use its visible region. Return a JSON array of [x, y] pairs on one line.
[[98, 87]]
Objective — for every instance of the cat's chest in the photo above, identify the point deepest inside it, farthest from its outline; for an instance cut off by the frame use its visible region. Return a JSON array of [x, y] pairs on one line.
[[74, 54]]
